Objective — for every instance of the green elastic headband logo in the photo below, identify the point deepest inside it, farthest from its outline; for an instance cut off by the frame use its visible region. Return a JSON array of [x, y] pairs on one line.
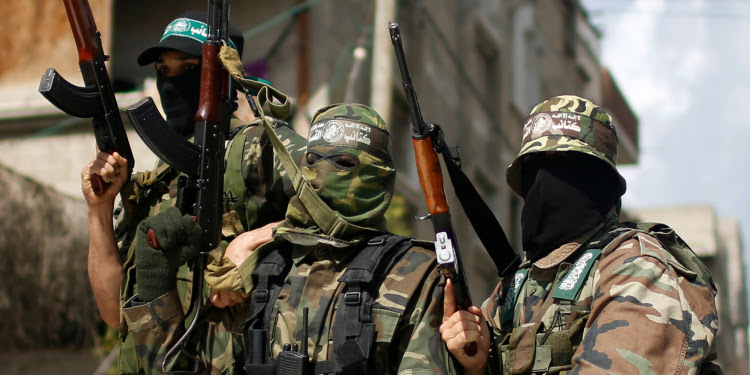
[[189, 28]]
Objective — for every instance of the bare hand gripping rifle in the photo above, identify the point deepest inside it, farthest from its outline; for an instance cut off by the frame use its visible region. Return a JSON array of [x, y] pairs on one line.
[[428, 140], [202, 161], [97, 98]]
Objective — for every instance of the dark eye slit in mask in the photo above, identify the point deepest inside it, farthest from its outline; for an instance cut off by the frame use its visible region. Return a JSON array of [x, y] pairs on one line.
[[344, 161]]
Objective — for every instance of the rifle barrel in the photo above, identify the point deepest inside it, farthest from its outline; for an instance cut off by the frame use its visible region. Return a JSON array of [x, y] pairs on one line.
[[419, 128]]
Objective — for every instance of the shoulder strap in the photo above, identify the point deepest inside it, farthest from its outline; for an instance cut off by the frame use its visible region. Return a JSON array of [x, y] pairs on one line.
[[269, 274], [234, 185], [354, 331], [680, 250]]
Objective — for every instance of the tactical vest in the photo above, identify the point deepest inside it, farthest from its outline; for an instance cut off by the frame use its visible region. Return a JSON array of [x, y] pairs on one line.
[[532, 348], [353, 331]]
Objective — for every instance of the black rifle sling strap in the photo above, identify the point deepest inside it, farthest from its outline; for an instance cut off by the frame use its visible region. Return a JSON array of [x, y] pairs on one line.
[[484, 222], [269, 275]]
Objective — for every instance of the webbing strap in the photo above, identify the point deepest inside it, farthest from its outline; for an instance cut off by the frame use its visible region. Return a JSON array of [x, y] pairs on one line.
[[327, 219], [270, 273], [354, 335]]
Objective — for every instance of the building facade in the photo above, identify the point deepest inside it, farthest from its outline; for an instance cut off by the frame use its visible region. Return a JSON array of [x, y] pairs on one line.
[[478, 66]]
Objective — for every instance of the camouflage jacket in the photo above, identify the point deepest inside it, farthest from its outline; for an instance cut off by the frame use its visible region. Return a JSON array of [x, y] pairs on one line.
[[634, 310], [407, 311], [257, 192]]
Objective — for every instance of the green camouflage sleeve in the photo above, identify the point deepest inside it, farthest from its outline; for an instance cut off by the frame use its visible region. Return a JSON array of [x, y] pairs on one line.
[[156, 326], [420, 347], [645, 316]]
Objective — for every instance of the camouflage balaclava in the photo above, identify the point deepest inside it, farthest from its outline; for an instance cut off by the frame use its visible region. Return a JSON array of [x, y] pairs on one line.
[[350, 167]]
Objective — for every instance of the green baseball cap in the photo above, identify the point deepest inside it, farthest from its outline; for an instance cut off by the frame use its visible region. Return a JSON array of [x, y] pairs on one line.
[[187, 33]]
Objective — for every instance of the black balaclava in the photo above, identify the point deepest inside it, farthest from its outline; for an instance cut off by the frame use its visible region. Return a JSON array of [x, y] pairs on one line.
[[180, 96], [565, 196]]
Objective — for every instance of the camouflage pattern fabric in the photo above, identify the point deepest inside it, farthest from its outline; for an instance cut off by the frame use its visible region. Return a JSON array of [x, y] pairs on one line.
[[566, 123], [640, 311], [358, 193], [260, 192], [407, 310]]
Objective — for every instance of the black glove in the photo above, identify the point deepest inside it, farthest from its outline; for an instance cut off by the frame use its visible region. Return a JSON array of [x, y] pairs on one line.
[[156, 269]]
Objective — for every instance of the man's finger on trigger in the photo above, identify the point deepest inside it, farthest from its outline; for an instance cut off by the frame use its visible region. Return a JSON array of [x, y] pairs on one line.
[[449, 300]]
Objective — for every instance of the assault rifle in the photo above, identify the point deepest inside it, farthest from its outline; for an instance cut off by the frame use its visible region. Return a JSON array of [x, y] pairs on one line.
[[428, 140], [202, 161], [97, 98], [424, 138]]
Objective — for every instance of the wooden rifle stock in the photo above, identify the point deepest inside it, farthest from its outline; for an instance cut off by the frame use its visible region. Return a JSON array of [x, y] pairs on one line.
[[97, 98], [430, 175], [431, 178]]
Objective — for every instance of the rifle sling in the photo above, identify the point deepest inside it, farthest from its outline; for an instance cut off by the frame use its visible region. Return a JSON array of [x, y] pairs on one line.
[[484, 222]]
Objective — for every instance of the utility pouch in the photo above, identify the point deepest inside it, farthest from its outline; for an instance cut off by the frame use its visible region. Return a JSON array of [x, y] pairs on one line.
[[521, 349]]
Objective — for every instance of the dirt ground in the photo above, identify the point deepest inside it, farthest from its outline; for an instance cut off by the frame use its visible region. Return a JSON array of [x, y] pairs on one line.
[[58, 362]]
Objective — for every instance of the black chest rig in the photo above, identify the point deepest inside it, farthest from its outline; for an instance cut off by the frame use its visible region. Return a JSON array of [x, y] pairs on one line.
[[353, 331]]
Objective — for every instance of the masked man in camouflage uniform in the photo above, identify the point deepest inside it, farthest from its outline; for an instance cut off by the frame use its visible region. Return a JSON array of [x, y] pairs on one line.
[[256, 190], [594, 296], [371, 301]]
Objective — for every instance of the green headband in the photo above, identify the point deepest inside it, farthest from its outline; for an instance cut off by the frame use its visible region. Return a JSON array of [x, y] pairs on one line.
[[191, 29]]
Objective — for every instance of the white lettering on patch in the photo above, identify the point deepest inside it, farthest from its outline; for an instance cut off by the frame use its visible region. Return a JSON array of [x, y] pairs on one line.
[[202, 31], [543, 122], [570, 281], [567, 120], [334, 130]]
